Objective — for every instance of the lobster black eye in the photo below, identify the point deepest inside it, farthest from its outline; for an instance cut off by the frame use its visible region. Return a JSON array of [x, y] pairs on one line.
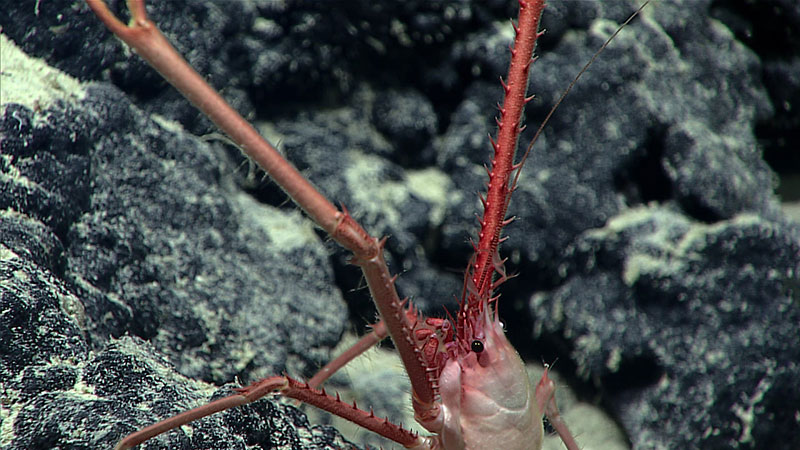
[[477, 346]]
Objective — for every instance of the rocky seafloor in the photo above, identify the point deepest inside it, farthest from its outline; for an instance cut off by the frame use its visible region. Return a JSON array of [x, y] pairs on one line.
[[145, 268]]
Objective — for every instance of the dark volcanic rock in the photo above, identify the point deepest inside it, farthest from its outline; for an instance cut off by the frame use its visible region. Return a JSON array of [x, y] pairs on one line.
[[139, 260], [687, 326], [117, 228]]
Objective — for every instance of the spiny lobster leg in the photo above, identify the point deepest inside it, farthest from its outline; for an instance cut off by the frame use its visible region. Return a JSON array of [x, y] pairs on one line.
[[288, 387], [379, 332], [366, 342], [546, 401], [143, 36]]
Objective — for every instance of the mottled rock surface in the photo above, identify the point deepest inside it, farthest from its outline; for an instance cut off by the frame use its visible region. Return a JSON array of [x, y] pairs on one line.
[[142, 262]]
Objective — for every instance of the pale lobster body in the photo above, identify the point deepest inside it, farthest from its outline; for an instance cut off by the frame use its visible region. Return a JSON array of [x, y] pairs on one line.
[[487, 398]]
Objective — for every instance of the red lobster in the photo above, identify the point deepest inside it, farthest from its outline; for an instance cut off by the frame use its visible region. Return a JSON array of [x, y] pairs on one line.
[[469, 386]]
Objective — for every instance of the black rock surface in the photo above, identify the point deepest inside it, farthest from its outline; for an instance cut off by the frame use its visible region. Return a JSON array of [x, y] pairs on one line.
[[141, 258]]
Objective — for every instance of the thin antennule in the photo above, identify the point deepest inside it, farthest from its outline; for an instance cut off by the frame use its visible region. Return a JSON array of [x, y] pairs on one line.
[[524, 158]]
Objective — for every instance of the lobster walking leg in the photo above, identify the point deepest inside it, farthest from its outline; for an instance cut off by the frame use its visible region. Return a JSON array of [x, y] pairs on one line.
[[366, 342], [288, 387], [546, 400]]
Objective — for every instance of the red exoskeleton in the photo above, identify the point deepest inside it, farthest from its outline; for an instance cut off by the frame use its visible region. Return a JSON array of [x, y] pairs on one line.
[[469, 386]]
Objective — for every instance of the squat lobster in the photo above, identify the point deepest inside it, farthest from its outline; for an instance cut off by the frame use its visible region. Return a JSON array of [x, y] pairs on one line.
[[469, 386]]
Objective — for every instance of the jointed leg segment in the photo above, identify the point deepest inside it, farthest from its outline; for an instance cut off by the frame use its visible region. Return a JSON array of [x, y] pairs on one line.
[[546, 401], [288, 387]]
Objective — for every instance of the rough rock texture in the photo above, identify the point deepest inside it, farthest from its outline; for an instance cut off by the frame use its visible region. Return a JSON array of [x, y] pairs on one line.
[[118, 229], [141, 258]]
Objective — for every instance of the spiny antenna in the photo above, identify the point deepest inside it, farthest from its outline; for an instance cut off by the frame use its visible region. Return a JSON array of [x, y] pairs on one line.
[[568, 89], [504, 146]]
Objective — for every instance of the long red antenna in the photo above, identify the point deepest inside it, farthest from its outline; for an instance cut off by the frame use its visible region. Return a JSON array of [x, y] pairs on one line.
[[499, 189]]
